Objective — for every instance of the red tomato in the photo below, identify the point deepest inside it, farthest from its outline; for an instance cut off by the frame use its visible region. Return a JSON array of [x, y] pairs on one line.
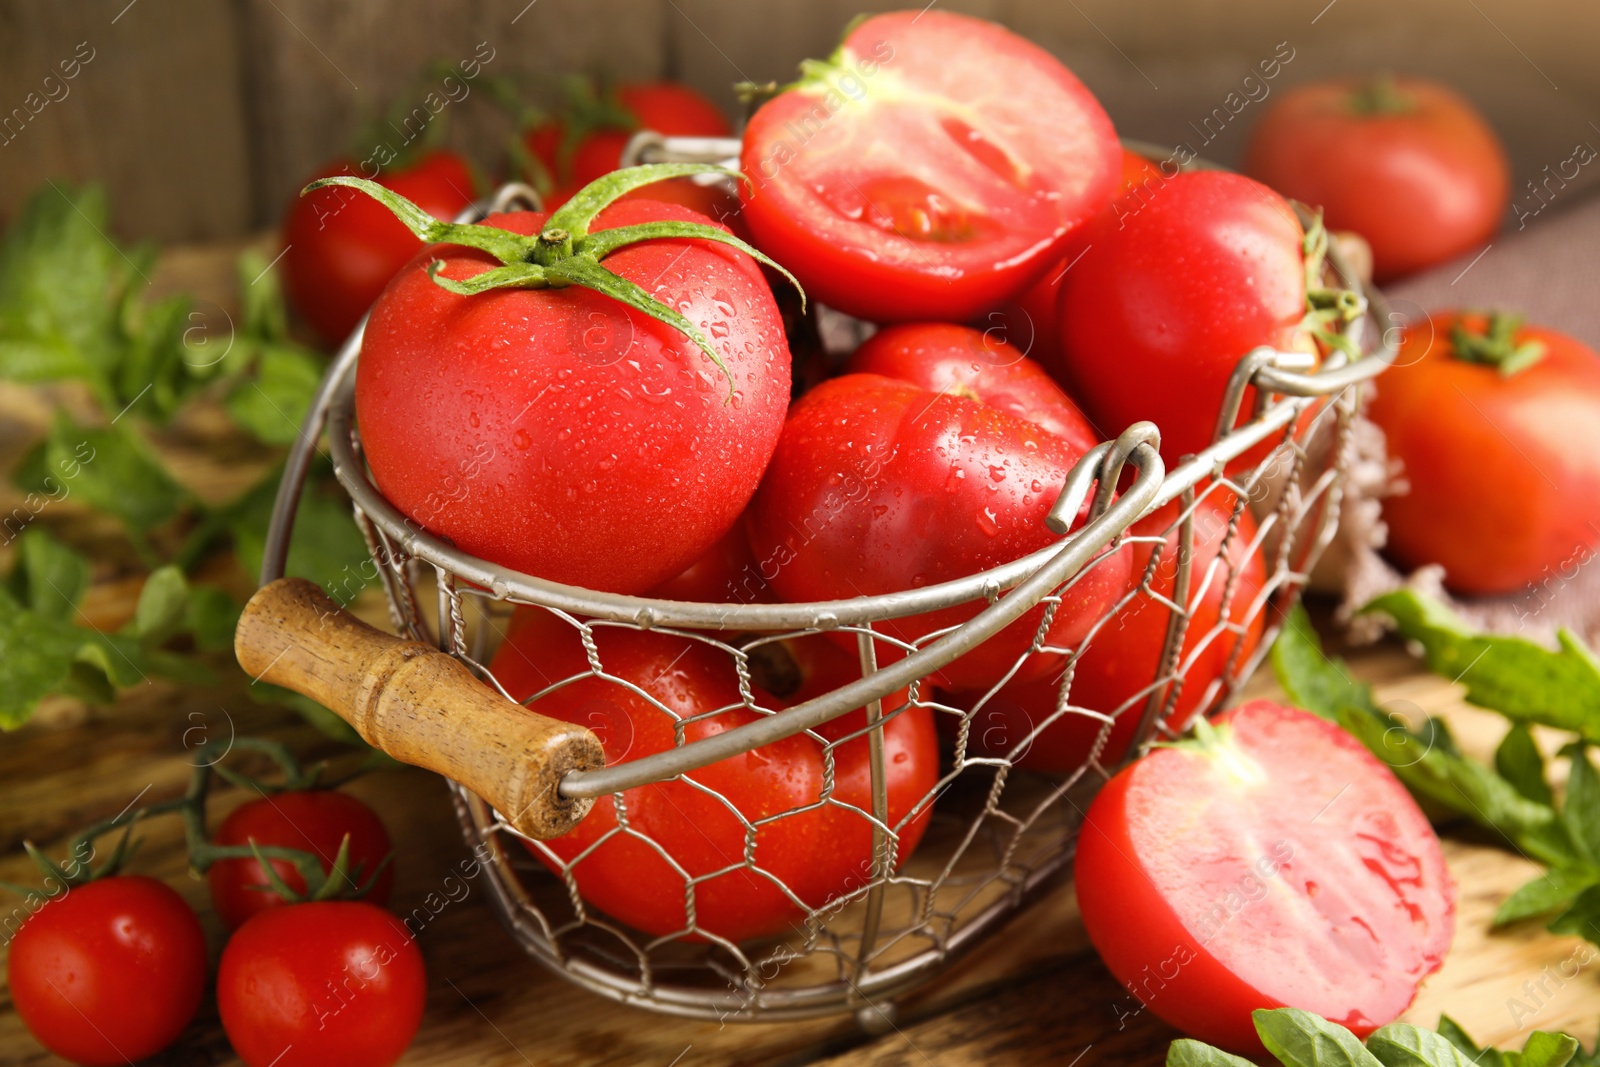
[[1170, 297], [110, 972], [930, 169], [1033, 321], [726, 574], [1504, 470], [1277, 865], [338, 981], [314, 821], [342, 247], [1115, 672], [878, 486], [665, 107], [1406, 163], [943, 357], [559, 433], [818, 854]]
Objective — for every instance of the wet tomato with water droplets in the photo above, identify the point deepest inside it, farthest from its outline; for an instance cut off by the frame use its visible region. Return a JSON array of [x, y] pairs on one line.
[[882, 484], [819, 853], [1271, 861], [559, 433], [930, 169], [1121, 664]]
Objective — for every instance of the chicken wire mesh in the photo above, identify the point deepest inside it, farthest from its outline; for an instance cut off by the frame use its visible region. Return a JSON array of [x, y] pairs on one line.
[[917, 874]]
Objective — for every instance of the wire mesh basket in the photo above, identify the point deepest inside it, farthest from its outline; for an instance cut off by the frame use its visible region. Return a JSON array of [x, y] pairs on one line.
[[995, 832]]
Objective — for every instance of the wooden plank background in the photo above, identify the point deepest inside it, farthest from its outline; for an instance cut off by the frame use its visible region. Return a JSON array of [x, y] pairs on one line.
[[204, 116]]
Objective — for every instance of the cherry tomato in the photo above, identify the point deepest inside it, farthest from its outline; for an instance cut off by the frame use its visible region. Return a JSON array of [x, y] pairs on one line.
[[1503, 469], [341, 248], [943, 357], [110, 972], [315, 821], [878, 486], [932, 168], [338, 981], [559, 433], [1170, 297], [1405, 162], [1273, 864], [1032, 322], [1116, 671], [819, 853]]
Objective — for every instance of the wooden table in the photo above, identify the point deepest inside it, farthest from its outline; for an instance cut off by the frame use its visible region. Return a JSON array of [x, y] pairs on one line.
[[1037, 994]]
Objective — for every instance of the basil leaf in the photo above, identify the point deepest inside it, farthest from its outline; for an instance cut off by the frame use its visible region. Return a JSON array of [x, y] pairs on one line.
[[1544, 1049], [1580, 812], [211, 617], [110, 469], [1520, 762], [1187, 1052], [1519, 678], [1302, 1039], [1403, 1045], [273, 404], [1452, 1032], [1544, 894], [1582, 918], [326, 548], [163, 605], [49, 578]]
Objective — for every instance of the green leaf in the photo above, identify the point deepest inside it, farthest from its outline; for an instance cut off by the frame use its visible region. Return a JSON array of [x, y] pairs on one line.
[[1544, 1049], [211, 618], [1301, 1039], [1580, 812], [327, 547], [1452, 1032], [111, 470], [272, 405], [49, 578], [163, 606], [1512, 675], [1520, 762], [1403, 1045], [1582, 918], [1312, 680], [1187, 1052], [1551, 890]]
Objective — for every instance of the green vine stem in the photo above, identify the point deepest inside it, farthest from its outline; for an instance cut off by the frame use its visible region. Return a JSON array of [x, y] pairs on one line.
[[339, 881], [1496, 345], [1328, 308], [564, 252]]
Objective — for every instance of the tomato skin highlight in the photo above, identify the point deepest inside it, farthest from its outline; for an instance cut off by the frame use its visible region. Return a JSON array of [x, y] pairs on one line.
[[819, 854], [1209, 892], [878, 486], [1512, 463], [341, 247], [561, 434], [946, 357], [1121, 661], [913, 182], [1169, 298], [1422, 185], [332, 982], [314, 821], [130, 955]]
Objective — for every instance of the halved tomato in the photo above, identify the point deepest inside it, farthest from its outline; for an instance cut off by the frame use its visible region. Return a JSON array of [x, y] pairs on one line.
[[930, 169]]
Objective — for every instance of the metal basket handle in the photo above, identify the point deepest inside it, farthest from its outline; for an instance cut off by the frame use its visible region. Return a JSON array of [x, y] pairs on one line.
[[418, 704]]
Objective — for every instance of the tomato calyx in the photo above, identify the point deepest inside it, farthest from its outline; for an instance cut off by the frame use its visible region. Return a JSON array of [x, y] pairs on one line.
[[564, 252], [1380, 95], [1495, 344], [1328, 308], [1214, 741]]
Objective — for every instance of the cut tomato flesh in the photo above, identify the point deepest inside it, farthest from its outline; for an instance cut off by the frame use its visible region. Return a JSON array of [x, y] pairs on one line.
[[930, 169], [1281, 866]]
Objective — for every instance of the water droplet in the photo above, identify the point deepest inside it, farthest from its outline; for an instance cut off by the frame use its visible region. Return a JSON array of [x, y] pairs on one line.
[[522, 440], [472, 419], [997, 473], [987, 523]]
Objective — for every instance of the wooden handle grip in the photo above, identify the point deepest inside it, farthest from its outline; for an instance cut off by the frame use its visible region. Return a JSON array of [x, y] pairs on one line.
[[418, 704]]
